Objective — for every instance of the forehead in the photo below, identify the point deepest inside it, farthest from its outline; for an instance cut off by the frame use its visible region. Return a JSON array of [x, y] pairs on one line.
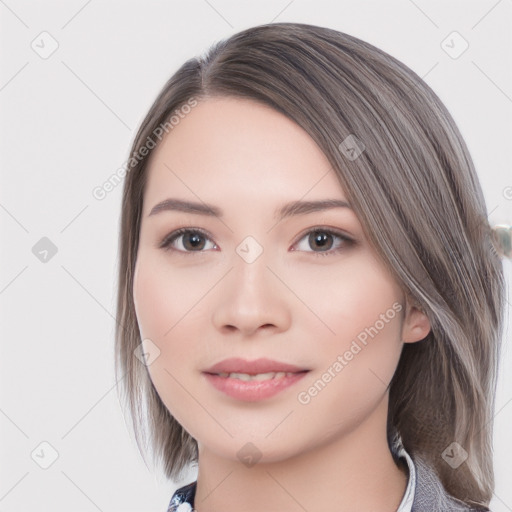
[[239, 148]]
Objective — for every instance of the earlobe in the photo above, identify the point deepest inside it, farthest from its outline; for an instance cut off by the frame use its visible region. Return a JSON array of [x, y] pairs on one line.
[[416, 325]]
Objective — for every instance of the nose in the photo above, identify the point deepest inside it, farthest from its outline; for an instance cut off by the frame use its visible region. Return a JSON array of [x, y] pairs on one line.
[[251, 298]]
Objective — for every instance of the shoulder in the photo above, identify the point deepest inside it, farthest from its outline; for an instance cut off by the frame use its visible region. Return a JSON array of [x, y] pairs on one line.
[[430, 495]]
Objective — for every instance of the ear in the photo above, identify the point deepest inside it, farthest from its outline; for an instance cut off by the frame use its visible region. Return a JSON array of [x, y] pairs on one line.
[[416, 324]]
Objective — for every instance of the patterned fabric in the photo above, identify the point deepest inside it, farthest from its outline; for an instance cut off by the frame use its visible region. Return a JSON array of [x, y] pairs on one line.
[[183, 499], [430, 493], [424, 491]]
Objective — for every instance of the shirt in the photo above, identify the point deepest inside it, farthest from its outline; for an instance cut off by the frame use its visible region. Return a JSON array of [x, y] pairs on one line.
[[408, 498], [424, 491]]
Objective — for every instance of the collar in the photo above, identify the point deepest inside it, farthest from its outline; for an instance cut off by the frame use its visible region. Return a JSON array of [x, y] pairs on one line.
[[408, 498]]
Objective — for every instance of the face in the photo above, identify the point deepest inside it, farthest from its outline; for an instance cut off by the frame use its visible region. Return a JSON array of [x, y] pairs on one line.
[[302, 288]]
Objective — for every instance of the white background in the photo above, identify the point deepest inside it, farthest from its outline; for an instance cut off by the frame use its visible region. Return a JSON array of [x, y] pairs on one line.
[[67, 123]]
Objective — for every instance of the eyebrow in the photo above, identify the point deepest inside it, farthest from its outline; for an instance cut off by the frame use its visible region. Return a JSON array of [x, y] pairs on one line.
[[288, 210]]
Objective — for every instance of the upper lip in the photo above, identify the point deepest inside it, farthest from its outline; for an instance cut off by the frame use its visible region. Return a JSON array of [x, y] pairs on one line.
[[263, 365]]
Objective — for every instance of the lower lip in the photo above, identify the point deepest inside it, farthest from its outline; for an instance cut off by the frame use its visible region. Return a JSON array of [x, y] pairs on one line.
[[252, 390]]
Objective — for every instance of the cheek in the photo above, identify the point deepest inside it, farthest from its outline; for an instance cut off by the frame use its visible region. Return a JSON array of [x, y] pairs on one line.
[[165, 314], [172, 311], [163, 297], [152, 295], [350, 297], [353, 373], [360, 310]]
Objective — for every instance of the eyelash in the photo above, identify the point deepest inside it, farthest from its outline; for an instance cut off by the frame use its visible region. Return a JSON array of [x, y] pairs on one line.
[[165, 244]]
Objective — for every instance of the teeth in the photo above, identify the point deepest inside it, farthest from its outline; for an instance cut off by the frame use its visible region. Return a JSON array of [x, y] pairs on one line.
[[259, 376]]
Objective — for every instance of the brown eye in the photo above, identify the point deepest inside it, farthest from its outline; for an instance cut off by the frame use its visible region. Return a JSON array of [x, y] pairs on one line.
[[192, 241], [322, 241], [186, 240]]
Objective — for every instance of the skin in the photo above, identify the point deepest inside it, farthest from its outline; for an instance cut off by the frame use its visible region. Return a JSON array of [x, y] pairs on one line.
[[293, 304]]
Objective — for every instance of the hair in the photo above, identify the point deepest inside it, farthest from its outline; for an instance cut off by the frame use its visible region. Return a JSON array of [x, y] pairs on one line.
[[416, 192]]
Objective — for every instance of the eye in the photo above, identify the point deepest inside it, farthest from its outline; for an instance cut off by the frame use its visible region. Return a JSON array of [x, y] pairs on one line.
[[186, 240], [195, 240], [322, 238]]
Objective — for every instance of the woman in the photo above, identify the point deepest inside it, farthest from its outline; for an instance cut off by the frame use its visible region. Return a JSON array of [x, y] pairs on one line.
[[310, 299]]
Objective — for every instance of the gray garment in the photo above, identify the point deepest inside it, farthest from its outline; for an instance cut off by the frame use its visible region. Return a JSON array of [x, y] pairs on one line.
[[429, 493]]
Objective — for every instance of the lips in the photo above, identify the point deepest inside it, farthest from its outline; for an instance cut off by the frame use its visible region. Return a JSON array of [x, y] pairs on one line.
[[235, 378], [258, 366]]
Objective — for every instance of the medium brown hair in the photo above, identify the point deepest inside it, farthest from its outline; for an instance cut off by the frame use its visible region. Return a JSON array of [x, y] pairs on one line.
[[414, 189]]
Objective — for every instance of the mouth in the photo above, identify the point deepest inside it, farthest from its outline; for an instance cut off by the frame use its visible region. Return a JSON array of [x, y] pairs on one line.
[[262, 366], [258, 376], [253, 380]]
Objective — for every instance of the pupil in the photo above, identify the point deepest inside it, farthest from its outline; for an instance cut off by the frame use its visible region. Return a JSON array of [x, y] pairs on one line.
[[195, 241], [319, 237]]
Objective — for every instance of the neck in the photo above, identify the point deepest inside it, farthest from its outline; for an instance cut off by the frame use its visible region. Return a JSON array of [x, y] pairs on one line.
[[354, 471]]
